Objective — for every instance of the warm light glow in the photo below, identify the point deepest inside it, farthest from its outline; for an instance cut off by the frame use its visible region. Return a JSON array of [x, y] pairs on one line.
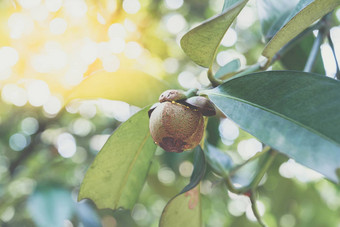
[[8, 57], [133, 50], [116, 30], [175, 23], [38, 92], [29, 4], [11, 93], [52, 106], [111, 63], [131, 6], [20, 25], [58, 26], [53, 5], [76, 8], [5, 73], [63, 41], [117, 45]]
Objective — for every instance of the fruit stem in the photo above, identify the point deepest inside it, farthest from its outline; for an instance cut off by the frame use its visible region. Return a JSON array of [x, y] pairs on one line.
[[190, 93], [254, 208], [256, 156], [331, 44], [315, 51], [214, 81], [270, 156]]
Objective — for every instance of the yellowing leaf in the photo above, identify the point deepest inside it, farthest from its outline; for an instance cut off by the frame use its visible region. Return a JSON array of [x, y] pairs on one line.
[[117, 175], [308, 11], [133, 87], [201, 43], [183, 210]]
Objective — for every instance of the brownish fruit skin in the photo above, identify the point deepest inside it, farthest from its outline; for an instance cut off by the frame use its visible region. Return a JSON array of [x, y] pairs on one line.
[[176, 127], [172, 95]]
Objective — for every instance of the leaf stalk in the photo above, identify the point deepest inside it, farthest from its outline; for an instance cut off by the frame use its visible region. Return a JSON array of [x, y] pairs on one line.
[[214, 81]]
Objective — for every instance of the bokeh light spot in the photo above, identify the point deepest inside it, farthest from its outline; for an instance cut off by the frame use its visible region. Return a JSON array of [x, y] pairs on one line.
[[8, 57], [131, 6], [38, 92], [228, 129], [52, 106], [133, 50], [111, 63], [188, 80], [75, 8], [82, 127], [171, 65], [186, 168], [20, 25], [29, 125], [248, 148], [7, 214], [175, 23], [229, 38], [18, 142], [117, 45], [166, 175], [11, 93], [29, 4], [116, 30], [5, 73], [173, 4], [66, 145], [58, 26]]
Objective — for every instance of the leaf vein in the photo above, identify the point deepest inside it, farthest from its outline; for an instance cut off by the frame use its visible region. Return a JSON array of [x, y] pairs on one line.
[[125, 179], [277, 114]]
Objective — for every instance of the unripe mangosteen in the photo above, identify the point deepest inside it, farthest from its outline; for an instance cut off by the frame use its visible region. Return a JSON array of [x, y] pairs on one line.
[[176, 127], [172, 95]]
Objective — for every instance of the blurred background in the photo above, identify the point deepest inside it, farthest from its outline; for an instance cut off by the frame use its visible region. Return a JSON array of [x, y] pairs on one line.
[[47, 47]]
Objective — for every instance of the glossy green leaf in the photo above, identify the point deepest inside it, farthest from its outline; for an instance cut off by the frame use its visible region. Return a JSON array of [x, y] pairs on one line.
[[134, 87], [50, 205], [296, 57], [201, 43], [230, 67], [117, 174], [294, 112], [185, 208], [303, 15], [229, 3], [219, 161], [272, 15]]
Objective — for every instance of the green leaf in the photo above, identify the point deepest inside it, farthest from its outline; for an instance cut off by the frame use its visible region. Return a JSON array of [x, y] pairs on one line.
[[116, 177], [219, 161], [201, 43], [304, 14], [133, 87], [229, 3], [296, 57], [230, 67], [185, 208], [294, 112], [272, 15], [50, 205]]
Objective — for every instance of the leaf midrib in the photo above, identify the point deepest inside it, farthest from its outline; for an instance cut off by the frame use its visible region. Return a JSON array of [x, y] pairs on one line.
[[278, 114], [126, 177]]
